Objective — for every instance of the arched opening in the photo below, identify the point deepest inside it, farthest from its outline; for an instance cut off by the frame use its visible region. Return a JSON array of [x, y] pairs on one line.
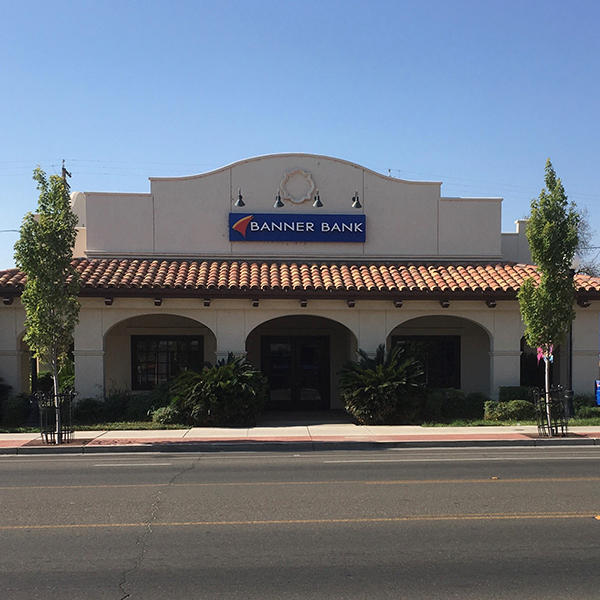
[[533, 370], [301, 357], [144, 351], [455, 352]]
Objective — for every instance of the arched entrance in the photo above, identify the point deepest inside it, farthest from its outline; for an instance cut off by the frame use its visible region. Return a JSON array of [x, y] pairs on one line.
[[455, 351], [144, 351], [533, 370], [301, 357]]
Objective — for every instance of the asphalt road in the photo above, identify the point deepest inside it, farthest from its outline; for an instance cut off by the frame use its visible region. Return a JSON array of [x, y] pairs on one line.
[[465, 523]]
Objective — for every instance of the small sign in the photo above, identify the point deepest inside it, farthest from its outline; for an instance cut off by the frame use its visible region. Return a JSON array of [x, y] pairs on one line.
[[287, 227], [598, 392]]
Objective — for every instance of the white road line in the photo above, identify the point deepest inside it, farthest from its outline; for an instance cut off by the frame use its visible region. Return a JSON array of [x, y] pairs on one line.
[[133, 465], [460, 459]]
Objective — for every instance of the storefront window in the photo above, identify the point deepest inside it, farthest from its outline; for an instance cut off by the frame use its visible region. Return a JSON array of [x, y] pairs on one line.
[[157, 359], [439, 355]]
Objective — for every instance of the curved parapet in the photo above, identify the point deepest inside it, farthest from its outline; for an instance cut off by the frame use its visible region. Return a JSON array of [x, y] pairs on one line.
[[78, 201], [293, 155]]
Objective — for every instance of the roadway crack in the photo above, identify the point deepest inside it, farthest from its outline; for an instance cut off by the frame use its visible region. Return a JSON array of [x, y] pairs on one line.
[[143, 540]]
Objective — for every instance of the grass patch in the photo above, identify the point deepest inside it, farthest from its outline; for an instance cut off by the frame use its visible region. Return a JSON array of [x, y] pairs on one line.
[[479, 423], [19, 429], [594, 421], [120, 425]]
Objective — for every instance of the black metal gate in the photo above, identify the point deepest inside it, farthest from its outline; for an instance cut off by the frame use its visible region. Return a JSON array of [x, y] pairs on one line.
[[560, 408], [52, 409]]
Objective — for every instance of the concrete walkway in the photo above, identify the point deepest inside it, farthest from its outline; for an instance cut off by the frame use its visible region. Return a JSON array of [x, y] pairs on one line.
[[292, 436]]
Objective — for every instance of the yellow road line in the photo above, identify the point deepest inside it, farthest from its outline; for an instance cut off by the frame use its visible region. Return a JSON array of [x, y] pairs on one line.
[[491, 479], [399, 519]]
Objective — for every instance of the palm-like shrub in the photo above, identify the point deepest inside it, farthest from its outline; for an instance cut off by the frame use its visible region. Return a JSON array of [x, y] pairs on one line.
[[385, 389], [231, 393]]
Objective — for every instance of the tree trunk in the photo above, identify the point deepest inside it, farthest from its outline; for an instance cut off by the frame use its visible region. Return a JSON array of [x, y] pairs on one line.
[[548, 401], [58, 429]]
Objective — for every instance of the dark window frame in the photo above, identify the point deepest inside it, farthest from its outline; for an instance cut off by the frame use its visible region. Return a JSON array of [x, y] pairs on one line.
[[172, 367], [454, 379]]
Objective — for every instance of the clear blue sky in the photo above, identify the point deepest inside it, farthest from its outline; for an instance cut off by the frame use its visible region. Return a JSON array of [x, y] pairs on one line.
[[476, 94]]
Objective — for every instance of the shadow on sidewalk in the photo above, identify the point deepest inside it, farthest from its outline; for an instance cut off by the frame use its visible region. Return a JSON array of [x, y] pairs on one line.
[[295, 419]]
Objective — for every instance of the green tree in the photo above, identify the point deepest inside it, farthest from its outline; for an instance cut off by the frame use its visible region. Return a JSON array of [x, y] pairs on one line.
[[547, 308], [44, 252]]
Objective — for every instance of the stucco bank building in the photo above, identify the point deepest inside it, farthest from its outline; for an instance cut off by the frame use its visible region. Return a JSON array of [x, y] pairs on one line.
[[297, 261]]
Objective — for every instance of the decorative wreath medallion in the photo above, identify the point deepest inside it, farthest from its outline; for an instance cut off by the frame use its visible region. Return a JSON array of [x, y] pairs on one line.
[[297, 186]]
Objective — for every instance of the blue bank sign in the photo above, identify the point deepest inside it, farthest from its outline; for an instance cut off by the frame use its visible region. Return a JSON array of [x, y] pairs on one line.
[[278, 227]]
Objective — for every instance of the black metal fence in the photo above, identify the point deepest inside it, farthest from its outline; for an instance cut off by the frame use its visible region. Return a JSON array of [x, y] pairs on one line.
[[56, 412], [553, 418]]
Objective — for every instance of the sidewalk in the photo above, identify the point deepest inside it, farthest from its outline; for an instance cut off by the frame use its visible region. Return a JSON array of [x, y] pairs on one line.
[[293, 437]]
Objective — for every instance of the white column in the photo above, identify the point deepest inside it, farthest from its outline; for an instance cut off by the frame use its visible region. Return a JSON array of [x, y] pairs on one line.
[[10, 371], [505, 350], [89, 354], [11, 325], [585, 350], [89, 373], [230, 333], [371, 331], [505, 369]]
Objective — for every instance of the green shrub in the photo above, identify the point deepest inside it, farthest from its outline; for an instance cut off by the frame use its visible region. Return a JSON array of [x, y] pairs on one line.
[[588, 412], [385, 389], [87, 411], [506, 393], [166, 415], [4, 393], [431, 409], [15, 410], [180, 389], [447, 404], [114, 405], [513, 410], [123, 405], [44, 382], [231, 393], [583, 401], [475, 405]]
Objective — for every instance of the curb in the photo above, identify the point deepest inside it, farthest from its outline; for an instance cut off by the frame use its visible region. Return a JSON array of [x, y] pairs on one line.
[[283, 446]]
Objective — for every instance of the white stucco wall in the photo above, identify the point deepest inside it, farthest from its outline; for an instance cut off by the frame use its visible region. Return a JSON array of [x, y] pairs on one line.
[[474, 346], [515, 246], [12, 357], [369, 323], [117, 343], [485, 366], [188, 216], [470, 227]]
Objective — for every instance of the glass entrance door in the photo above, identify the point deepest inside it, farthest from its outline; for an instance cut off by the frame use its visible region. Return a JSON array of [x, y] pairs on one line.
[[298, 371]]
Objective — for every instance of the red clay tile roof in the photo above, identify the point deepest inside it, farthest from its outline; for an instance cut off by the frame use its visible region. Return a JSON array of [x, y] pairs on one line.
[[133, 277]]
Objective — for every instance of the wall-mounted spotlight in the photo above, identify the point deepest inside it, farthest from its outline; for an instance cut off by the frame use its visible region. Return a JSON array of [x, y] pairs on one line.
[[491, 303], [444, 303], [239, 203], [356, 201], [278, 202], [583, 302], [398, 303], [351, 303], [157, 301], [317, 203], [303, 303], [206, 302], [255, 302], [7, 300], [108, 301]]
